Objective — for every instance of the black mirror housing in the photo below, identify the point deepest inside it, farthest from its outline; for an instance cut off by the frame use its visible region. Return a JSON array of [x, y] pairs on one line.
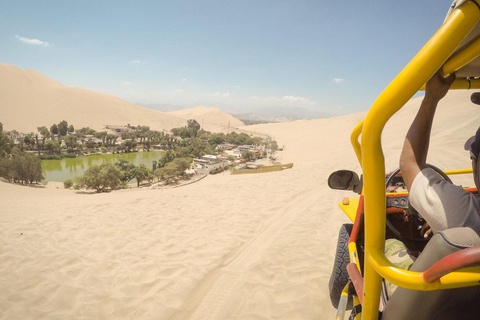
[[345, 180]]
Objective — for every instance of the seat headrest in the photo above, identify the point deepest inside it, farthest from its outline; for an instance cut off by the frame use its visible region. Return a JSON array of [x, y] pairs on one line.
[[462, 237]]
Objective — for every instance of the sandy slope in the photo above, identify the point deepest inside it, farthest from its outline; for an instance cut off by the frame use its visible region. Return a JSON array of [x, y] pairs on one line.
[[207, 116], [228, 247], [29, 100]]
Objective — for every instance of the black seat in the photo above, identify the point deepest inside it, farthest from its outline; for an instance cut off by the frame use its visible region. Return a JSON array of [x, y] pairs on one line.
[[460, 303]]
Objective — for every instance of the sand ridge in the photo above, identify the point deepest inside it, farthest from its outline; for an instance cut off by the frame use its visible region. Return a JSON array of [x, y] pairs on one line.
[[208, 116]]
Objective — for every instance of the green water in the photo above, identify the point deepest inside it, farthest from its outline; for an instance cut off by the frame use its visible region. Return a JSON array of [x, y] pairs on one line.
[[69, 168]]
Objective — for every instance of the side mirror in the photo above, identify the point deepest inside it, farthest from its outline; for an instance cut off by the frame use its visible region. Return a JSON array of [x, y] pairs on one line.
[[345, 180]]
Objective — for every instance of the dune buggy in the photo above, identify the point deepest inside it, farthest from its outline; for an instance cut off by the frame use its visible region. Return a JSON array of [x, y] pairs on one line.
[[387, 265]]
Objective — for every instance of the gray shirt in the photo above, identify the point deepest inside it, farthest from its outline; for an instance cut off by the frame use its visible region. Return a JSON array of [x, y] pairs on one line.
[[442, 204]]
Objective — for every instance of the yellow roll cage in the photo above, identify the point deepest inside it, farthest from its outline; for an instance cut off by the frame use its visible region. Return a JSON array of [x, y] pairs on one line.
[[441, 51]]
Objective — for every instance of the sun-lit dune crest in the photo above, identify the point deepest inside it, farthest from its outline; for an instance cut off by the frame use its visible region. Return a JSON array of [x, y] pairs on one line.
[[208, 115]]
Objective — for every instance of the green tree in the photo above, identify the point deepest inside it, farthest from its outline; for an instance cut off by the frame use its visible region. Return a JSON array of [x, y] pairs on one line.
[[63, 128], [141, 135], [146, 145], [54, 129], [6, 144], [194, 125], [45, 133], [181, 164], [120, 148], [85, 131], [168, 157], [165, 174], [173, 169], [126, 170], [127, 135], [216, 139], [71, 129], [22, 166], [100, 177], [178, 131], [248, 155], [67, 184], [34, 165], [90, 144], [70, 142], [102, 135], [130, 145], [37, 143], [28, 140], [143, 129], [141, 173], [111, 138], [52, 146], [6, 170]]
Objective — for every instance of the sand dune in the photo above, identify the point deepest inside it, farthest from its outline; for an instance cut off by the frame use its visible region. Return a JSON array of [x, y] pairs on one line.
[[228, 247], [206, 116], [29, 99]]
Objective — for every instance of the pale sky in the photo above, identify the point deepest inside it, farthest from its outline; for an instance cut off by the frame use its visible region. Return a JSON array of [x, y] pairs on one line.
[[334, 57]]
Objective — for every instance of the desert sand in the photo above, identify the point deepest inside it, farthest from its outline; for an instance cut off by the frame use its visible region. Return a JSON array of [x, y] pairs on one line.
[[228, 247]]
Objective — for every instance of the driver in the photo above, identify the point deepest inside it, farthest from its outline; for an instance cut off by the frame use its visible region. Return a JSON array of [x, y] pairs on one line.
[[442, 204]]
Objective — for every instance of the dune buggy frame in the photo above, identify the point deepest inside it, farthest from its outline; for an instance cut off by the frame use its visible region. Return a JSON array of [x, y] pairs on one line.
[[444, 50]]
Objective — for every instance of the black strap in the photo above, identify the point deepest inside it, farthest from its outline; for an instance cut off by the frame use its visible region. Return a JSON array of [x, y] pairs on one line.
[[356, 310], [476, 3]]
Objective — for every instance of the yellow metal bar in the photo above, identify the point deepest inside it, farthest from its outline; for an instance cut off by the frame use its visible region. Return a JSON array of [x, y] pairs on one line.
[[414, 280], [355, 141], [403, 87], [462, 58], [463, 171], [350, 209], [462, 84], [352, 249]]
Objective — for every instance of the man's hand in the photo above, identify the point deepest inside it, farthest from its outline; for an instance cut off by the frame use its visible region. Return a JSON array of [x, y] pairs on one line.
[[437, 87], [414, 153]]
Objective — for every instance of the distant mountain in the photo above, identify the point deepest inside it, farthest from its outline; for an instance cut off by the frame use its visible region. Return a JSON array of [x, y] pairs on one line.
[[280, 114], [264, 115], [161, 107]]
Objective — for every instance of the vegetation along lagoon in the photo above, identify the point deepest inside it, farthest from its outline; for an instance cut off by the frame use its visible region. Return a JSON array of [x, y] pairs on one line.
[[69, 168]]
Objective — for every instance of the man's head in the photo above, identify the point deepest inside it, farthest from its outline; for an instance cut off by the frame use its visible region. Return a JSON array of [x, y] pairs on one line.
[[475, 97], [473, 145]]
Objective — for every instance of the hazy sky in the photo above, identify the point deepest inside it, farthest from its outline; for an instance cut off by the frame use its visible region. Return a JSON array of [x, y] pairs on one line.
[[329, 56]]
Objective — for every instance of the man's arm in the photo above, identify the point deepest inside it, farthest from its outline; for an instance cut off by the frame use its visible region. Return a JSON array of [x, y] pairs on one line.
[[415, 148]]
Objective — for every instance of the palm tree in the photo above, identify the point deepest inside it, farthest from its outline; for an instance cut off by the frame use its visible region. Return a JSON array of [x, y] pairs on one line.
[[36, 140], [28, 141], [45, 134], [101, 135]]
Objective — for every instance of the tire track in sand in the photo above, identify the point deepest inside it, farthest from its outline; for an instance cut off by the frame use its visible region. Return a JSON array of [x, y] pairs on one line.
[[215, 294]]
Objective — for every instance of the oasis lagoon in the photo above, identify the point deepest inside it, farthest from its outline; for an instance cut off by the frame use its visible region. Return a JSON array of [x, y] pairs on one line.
[[70, 168]]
